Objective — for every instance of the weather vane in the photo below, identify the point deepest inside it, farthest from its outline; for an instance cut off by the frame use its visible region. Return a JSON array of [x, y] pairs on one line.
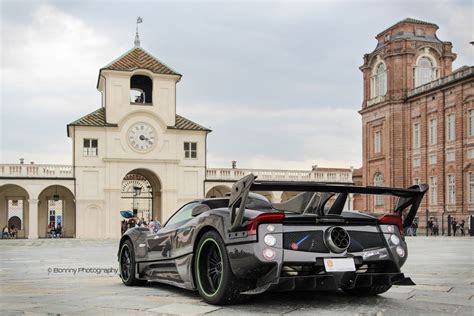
[[137, 37]]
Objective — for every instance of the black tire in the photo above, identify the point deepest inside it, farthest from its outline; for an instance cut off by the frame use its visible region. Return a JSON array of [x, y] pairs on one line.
[[127, 265], [214, 278], [368, 291]]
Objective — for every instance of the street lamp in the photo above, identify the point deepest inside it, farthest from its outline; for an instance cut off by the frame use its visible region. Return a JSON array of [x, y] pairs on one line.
[[136, 191], [56, 195], [149, 203]]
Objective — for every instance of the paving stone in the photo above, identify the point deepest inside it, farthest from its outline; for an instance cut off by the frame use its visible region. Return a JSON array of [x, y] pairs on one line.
[[438, 288], [444, 299], [183, 309], [463, 310], [444, 287]]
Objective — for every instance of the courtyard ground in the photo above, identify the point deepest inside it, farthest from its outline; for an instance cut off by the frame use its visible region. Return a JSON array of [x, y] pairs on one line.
[[37, 277]]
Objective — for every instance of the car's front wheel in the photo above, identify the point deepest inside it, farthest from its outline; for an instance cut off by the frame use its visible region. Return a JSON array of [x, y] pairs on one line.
[[214, 278], [368, 291], [127, 265]]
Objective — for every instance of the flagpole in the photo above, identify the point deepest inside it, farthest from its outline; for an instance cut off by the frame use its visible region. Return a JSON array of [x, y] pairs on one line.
[[137, 36]]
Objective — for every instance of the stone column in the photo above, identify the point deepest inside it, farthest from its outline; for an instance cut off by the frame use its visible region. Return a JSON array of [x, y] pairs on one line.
[[350, 202], [33, 219], [277, 196]]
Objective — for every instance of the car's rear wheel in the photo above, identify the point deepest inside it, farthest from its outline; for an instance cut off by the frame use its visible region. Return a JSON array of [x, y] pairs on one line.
[[127, 265], [214, 278], [368, 291]]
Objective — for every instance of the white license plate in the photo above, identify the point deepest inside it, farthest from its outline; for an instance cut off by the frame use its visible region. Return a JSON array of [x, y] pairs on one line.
[[339, 264]]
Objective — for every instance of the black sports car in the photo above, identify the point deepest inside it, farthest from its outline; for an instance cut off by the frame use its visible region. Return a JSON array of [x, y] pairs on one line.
[[242, 244]]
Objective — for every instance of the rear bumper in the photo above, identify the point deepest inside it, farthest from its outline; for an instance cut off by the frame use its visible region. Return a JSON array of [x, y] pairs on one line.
[[247, 264], [376, 263]]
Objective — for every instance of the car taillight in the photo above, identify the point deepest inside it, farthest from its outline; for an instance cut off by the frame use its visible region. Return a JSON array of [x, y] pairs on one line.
[[392, 220], [263, 218]]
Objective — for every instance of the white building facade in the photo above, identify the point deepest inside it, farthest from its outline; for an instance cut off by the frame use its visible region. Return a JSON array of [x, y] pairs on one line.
[[132, 153]]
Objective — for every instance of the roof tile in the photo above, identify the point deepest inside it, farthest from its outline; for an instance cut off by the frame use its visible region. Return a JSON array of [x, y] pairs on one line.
[[138, 58], [97, 118]]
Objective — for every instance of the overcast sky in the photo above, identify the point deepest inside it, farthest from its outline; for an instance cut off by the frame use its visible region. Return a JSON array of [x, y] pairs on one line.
[[278, 82]]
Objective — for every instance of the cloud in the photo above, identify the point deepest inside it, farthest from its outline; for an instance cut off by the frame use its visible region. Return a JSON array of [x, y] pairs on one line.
[[49, 67], [261, 137], [278, 81], [53, 60]]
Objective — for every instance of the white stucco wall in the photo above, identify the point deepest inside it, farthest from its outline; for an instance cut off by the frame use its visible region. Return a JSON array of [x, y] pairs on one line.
[[99, 179]]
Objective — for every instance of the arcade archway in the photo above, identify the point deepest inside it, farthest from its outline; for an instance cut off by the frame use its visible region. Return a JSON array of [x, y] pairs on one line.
[[141, 193], [56, 205], [14, 208], [218, 191]]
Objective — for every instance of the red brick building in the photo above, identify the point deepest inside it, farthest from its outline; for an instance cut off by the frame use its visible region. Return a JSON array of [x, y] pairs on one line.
[[418, 120]]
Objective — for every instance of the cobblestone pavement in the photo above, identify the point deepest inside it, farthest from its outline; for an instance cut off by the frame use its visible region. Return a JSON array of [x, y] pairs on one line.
[[442, 268]]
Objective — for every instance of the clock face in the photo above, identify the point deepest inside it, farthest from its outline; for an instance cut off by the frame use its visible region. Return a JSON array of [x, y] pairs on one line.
[[141, 136]]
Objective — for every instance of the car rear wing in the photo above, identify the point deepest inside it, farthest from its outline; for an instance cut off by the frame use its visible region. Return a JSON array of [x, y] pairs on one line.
[[409, 198]]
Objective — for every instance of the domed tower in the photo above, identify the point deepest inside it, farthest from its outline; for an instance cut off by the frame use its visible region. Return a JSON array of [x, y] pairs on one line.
[[408, 55]]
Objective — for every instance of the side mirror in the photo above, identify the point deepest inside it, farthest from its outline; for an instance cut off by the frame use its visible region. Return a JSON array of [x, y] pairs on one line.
[[199, 209]]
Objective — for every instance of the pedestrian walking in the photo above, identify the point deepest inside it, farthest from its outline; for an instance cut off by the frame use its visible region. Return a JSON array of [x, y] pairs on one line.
[[430, 227], [124, 226], [131, 222], [415, 227], [454, 225], [461, 227], [435, 228]]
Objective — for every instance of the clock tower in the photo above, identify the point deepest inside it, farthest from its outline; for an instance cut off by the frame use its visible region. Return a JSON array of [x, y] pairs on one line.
[[134, 152]]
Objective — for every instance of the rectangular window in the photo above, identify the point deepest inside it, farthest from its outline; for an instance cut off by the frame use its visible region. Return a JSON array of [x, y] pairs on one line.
[[377, 142], [190, 150], [451, 189], [90, 147], [470, 123], [470, 153], [450, 156], [450, 128], [416, 135], [471, 188], [433, 191], [432, 159], [379, 199], [432, 131], [416, 162]]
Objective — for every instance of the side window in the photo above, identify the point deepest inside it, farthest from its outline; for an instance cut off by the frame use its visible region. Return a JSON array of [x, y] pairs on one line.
[[190, 150], [90, 147], [184, 213]]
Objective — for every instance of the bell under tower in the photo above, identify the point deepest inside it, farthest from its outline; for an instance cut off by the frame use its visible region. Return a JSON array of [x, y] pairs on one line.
[[138, 82]]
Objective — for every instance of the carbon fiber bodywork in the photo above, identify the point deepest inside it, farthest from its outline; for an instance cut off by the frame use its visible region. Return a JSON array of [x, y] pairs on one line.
[[301, 244]]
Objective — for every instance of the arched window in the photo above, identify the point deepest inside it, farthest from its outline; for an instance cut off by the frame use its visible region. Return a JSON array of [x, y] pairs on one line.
[[379, 81], [425, 71], [378, 182], [141, 90]]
